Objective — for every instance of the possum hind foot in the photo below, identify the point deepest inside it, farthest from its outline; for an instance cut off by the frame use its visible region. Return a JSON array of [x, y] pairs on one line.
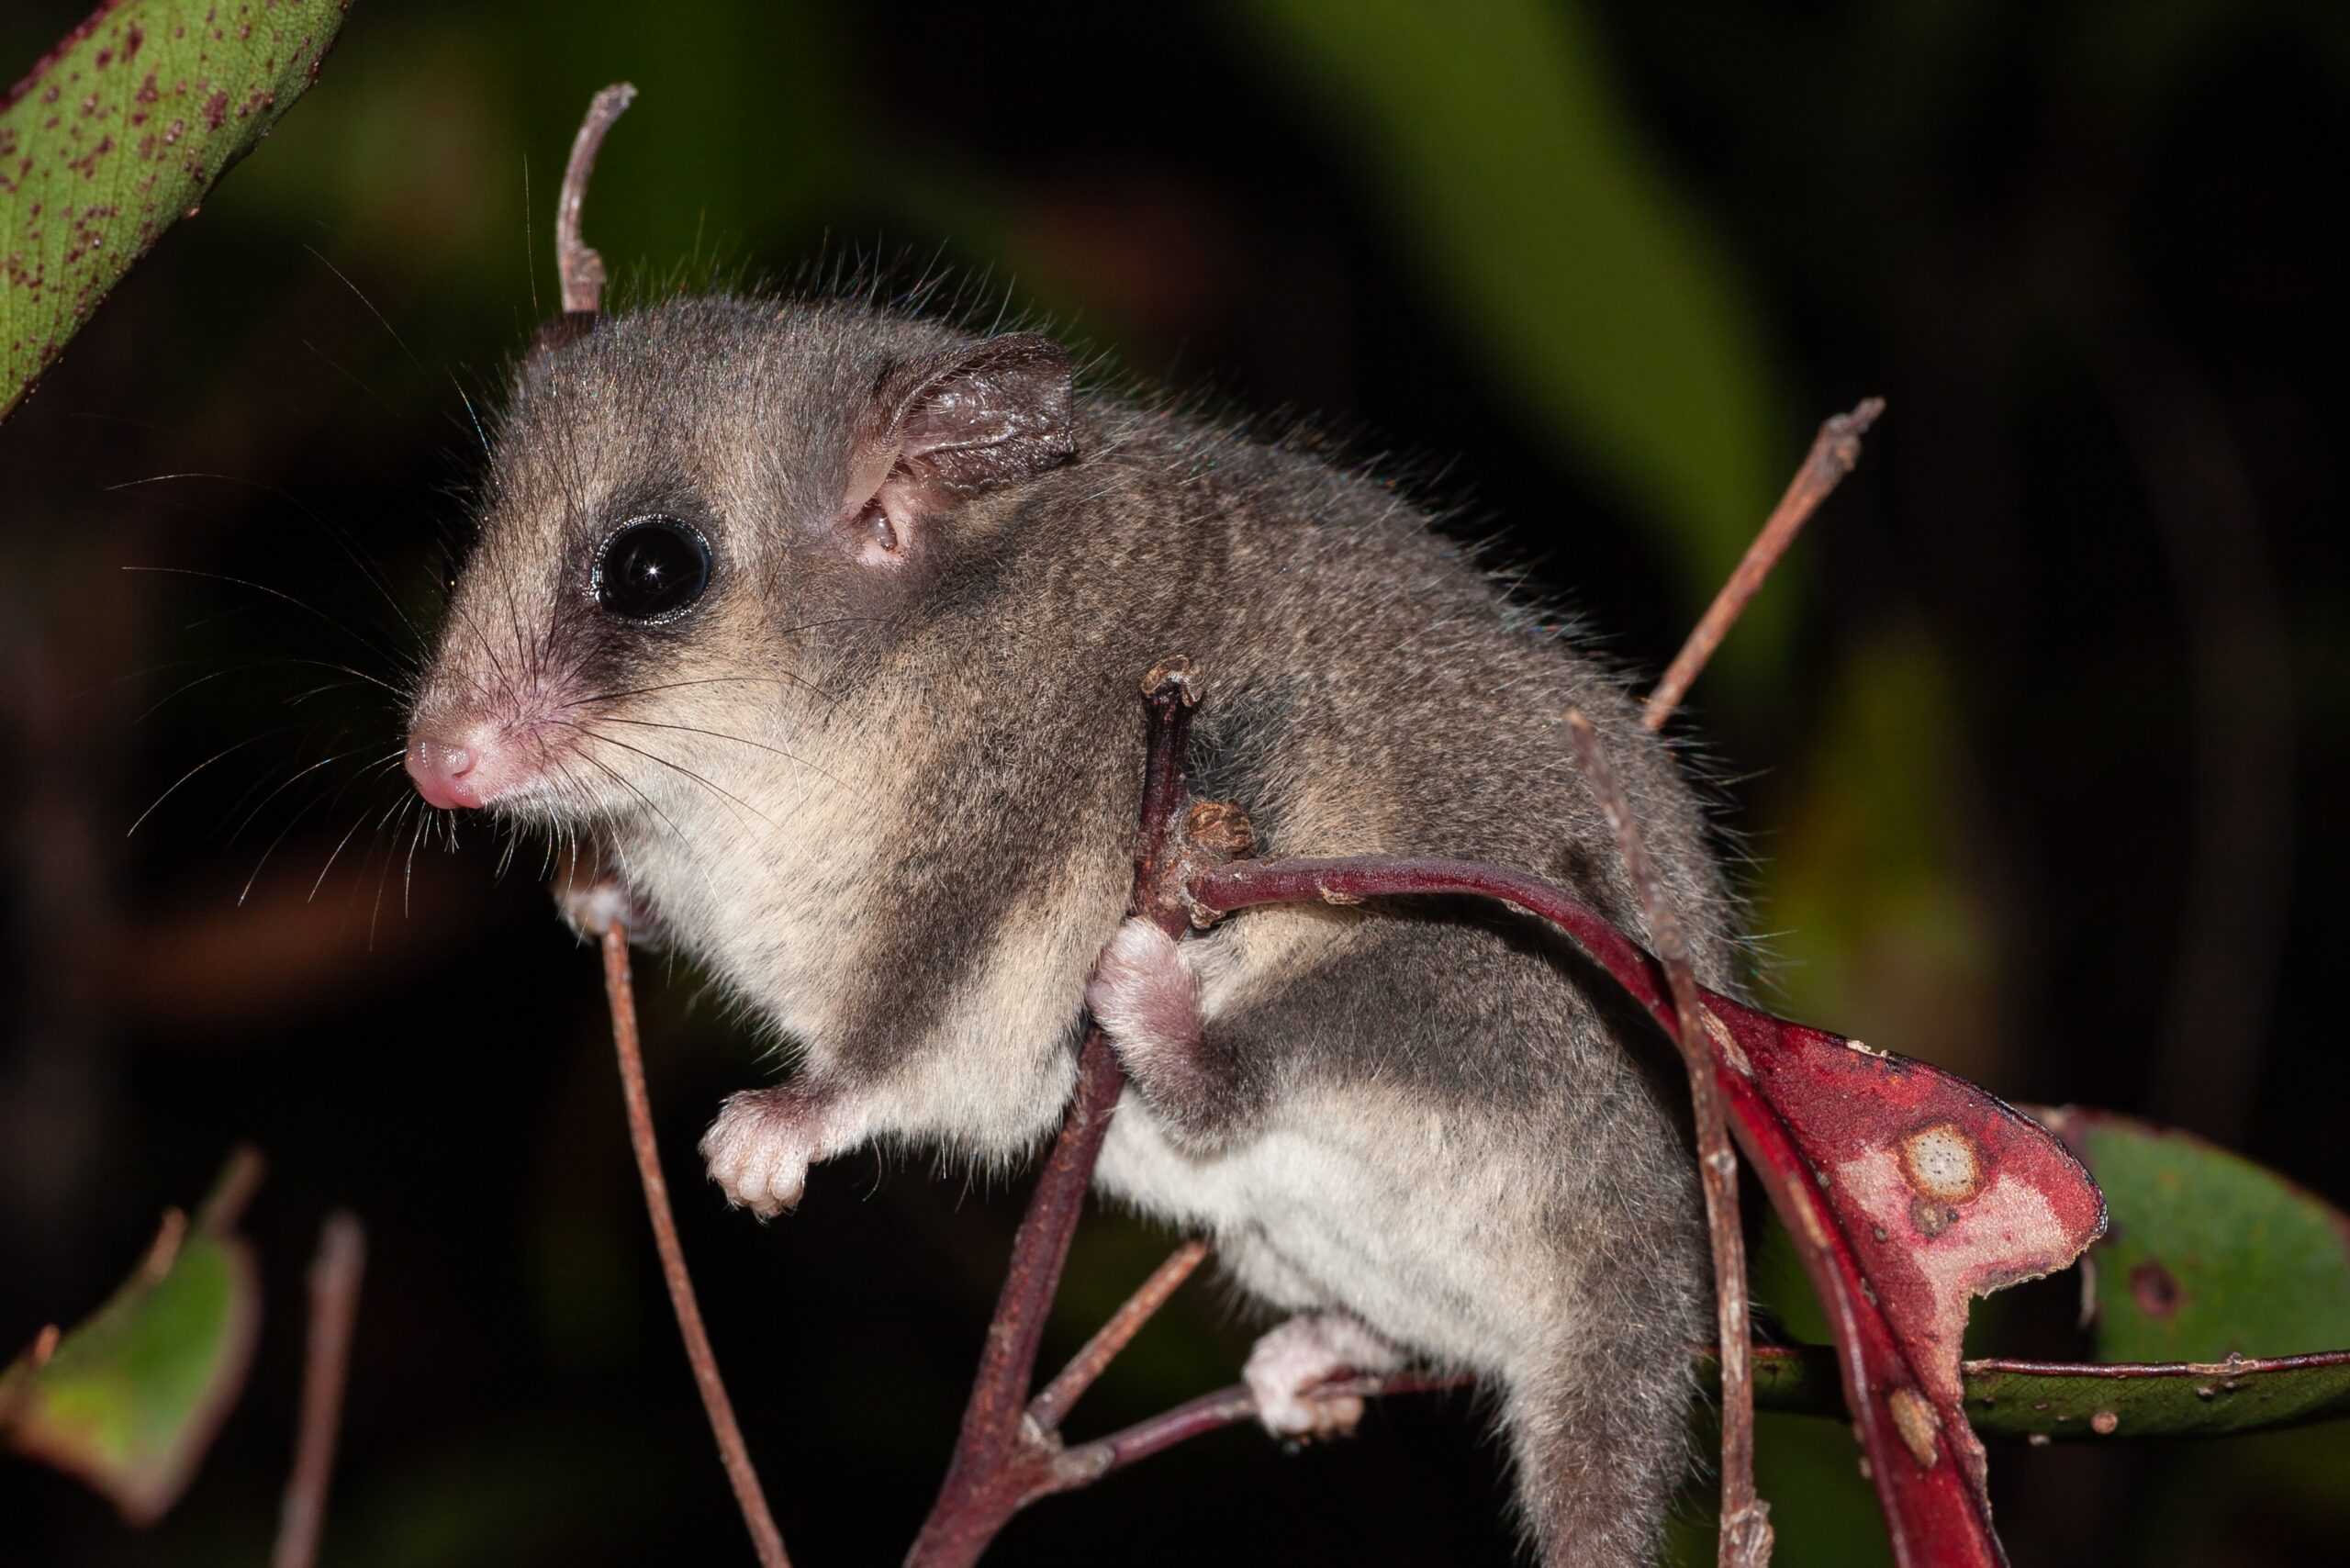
[[1289, 1364]]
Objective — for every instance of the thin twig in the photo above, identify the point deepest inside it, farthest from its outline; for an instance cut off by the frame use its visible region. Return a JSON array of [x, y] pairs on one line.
[[1746, 1529], [1084, 1463], [577, 263], [1833, 452], [335, 1276], [1047, 1409], [765, 1537]]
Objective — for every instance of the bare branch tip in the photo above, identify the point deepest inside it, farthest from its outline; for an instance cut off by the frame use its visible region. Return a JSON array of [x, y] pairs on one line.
[[1839, 436], [578, 264], [1835, 452], [342, 1246]]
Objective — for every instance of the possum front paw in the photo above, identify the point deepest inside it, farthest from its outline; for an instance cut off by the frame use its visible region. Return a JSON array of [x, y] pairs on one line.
[[590, 905], [1289, 1365], [760, 1146]]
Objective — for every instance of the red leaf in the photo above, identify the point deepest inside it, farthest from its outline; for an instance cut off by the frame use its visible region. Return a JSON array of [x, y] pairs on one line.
[[1908, 1189]]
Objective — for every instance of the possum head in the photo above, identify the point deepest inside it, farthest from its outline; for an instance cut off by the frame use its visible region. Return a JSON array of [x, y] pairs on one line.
[[705, 527]]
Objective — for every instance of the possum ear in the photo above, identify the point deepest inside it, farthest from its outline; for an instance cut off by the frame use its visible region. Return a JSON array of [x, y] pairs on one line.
[[950, 426], [979, 416]]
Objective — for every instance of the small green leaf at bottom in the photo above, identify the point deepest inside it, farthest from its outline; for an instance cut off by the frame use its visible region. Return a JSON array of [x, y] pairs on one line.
[[130, 1400]]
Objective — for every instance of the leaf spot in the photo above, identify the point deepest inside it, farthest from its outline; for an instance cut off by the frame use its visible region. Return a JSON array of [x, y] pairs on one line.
[[2154, 1289], [1941, 1164]]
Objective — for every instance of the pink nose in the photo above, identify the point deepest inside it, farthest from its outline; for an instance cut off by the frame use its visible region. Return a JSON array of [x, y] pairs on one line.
[[445, 775]]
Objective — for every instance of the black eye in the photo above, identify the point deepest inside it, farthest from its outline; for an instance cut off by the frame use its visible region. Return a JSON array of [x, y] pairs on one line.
[[653, 568]]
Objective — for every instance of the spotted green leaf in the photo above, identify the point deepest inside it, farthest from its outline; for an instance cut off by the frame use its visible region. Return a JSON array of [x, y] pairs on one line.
[[118, 131], [2209, 1255]]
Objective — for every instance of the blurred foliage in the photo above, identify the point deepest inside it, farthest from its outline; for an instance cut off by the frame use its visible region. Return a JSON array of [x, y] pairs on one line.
[[1507, 160], [129, 1399], [1870, 911]]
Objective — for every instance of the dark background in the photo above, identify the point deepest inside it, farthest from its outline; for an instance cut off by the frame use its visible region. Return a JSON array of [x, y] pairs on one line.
[[2032, 743]]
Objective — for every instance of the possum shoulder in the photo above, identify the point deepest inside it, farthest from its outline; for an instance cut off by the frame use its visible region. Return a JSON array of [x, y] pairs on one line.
[[1286, 507]]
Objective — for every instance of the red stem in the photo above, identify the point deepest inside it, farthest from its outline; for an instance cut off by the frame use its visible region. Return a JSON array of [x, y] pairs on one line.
[[989, 1478], [765, 1537]]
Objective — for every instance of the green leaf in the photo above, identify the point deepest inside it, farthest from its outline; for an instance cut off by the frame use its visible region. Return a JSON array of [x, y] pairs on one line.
[[115, 133], [130, 1400], [2194, 1399], [2069, 1402], [1513, 169], [2209, 1254]]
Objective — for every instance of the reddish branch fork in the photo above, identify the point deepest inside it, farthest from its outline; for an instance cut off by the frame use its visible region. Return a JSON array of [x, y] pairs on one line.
[[1009, 1452]]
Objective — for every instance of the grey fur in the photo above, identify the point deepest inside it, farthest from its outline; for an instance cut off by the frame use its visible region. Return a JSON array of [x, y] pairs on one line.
[[892, 813]]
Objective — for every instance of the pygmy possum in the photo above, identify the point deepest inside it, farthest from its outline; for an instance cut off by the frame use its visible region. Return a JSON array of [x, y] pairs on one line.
[[816, 629]]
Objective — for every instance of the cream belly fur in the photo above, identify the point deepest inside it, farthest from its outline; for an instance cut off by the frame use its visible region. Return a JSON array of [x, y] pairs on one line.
[[1423, 1240]]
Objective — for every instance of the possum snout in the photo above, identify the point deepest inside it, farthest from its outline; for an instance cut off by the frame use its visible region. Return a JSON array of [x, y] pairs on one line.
[[445, 775], [469, 766]]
